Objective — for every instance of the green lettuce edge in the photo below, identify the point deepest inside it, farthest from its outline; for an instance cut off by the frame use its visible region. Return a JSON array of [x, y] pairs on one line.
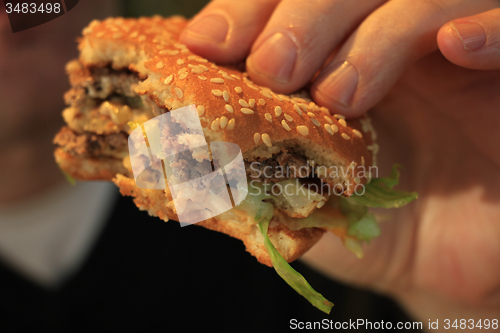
[[293, 278]]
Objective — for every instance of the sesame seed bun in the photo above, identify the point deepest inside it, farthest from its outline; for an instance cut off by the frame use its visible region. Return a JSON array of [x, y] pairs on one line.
[[231, 108]]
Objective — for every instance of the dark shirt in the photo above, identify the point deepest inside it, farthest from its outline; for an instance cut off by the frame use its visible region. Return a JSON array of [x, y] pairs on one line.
[[144, 275]]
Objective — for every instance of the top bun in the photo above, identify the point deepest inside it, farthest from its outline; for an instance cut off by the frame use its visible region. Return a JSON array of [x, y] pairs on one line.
[[231, 107]]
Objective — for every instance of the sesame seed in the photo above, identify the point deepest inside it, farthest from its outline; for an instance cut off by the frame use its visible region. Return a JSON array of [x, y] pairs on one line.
[[303, 106], [357, 133], [180, 46], [266, 93], [179, 92], [222, 72], [278, 97], [214, 66], [277, 111], [315, 121], [229, 108], [134, 34], [288, 117], [329, 120], [142, 38], [320, 204], [217, 92], [345, 136], [267, 140], [184, 51], [201, 60], [339, 116], [182, 70], [256, 138], [247, 111], [227, 77], [169, 79], [223, 122], [342, 122], [197, 70], [225, 95], [262, 101], [183, 75], [298, 100], [297, 109], [201, 77], [215, 124], [269, 118], [285, 125], [324, 110], [230, 124], [335, 128], [180, 61], [304, 130], [238, 90], [192, 57], [100, 34], [160, 65], [235, 76], [310, 114], [329, 129], [251, 102], [252, 86], [284, 98], [200, 109], [217, 80], [243, 103]]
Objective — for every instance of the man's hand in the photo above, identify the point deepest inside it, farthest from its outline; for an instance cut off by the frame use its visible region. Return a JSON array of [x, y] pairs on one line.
[[438, 116], [361, 48]]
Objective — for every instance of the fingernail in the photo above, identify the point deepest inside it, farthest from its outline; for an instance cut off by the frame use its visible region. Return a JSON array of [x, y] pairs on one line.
[[275, 58], [213, 28], [471, 34], [340, 85]]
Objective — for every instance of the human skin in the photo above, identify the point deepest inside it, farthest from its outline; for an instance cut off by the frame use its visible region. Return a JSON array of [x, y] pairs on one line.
[[32, 84], [435, 114]]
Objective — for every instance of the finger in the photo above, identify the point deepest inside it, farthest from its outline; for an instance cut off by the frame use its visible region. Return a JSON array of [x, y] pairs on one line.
[[299, 37], [225, 29], [382, 48], [472, 42]]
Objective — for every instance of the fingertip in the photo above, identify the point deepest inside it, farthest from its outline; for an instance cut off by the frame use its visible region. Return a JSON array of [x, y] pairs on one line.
[[272, 63], [207, 36], [324, 99]]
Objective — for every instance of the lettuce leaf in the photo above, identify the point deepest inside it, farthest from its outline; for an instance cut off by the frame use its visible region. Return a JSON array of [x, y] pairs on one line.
[[70, 179], [290, 275], [362, 224], [380, 193]]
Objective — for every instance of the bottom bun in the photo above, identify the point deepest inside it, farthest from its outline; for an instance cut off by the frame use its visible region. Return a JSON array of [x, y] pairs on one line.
[[291, 244]]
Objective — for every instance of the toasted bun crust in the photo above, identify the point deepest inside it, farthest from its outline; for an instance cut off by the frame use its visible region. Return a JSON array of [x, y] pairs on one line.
[[290, 244], [231, 108]]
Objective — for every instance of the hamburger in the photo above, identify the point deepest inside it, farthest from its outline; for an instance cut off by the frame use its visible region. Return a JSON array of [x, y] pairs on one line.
[[303, 167]]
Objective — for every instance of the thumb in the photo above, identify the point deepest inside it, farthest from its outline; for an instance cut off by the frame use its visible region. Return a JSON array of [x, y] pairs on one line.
[[472, 42]]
